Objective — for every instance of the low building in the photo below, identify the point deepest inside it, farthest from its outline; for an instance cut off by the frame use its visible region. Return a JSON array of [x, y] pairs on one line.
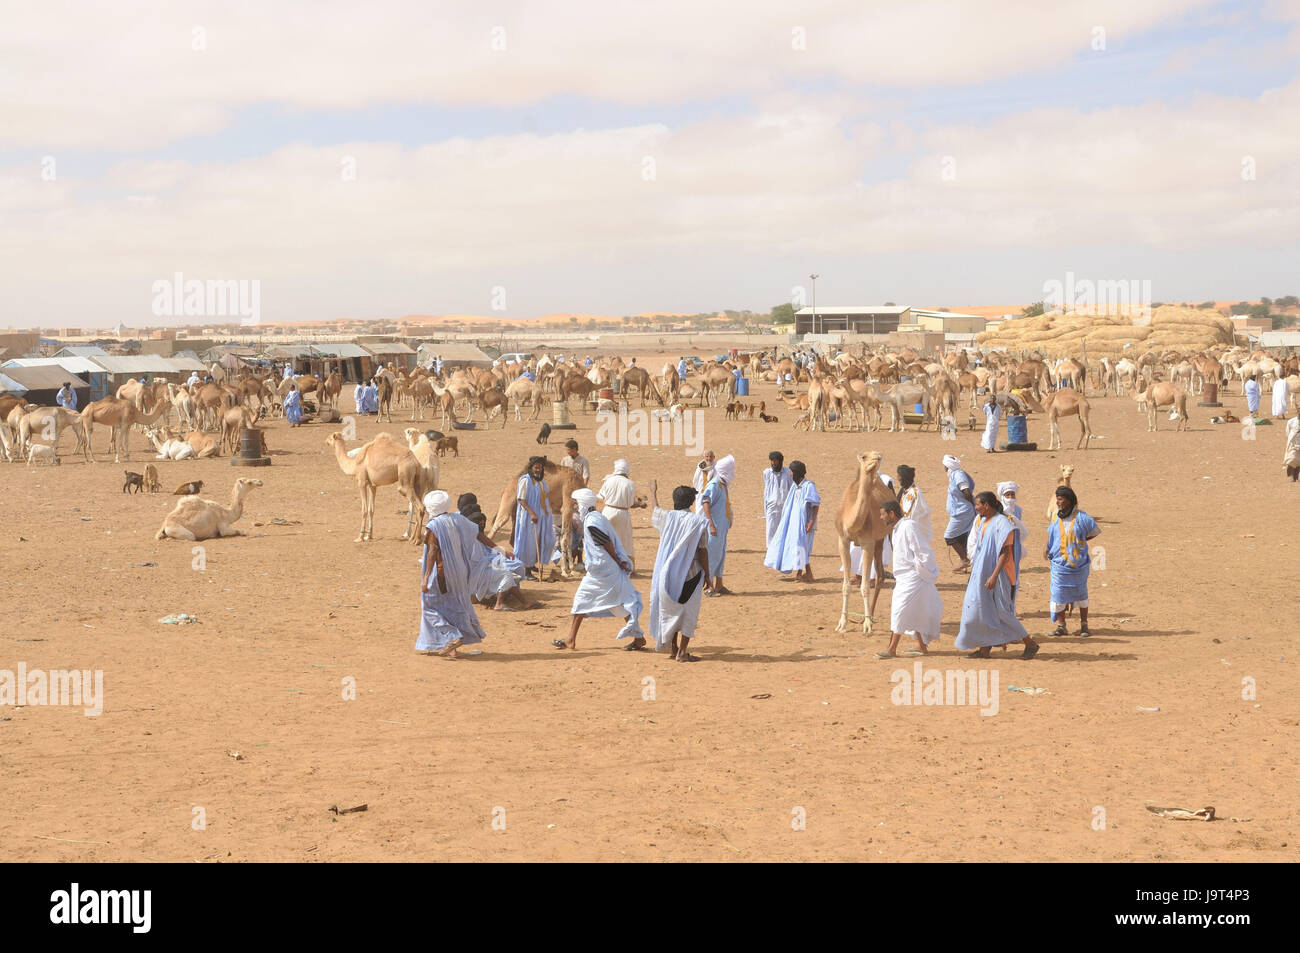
[[41, 384], [387, 351], [454, 354], [82, 367], [862, 319], [352, 361], [945, 322], [1280, 340]]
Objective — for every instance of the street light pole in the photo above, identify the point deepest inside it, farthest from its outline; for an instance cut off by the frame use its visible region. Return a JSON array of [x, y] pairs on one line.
[[814, 296]]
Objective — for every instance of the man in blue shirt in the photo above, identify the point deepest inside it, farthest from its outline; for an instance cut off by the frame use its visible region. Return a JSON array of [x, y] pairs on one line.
[[67, 397]]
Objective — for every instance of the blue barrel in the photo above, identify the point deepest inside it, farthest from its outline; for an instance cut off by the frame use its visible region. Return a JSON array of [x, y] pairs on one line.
[[917, 408], [1017, 429], [742, 387]]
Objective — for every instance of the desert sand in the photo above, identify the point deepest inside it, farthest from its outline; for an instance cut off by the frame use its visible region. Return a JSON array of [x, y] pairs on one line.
[[783, 718]]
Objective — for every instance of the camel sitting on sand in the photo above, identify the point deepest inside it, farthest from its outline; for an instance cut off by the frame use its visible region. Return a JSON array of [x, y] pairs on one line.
[[194, 518], [859, 522]]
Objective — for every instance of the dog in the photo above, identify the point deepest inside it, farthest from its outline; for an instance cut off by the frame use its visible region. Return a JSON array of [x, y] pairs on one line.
[[544, 434], [445, 444], [805, 421], [193, 488], [151, 481], [970, 421], [40, 451], [133, 480]]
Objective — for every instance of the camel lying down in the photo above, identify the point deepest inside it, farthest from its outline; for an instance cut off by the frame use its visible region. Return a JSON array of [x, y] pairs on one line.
[[195, 518]]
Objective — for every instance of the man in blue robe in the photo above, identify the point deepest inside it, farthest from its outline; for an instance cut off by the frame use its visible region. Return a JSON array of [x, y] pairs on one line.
[[988, 613], [961, 509], [790, 549], [534, 537], [1068, 534]]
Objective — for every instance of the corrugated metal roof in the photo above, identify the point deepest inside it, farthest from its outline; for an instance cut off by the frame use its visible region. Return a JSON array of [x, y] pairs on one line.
[[185, 363], [453, 352], [44, 377], [1279, 339], [139, 364], [80, 350], [864, 309], [73, 365], [340, 349], [297, 351], [388, 347], [11, 386]]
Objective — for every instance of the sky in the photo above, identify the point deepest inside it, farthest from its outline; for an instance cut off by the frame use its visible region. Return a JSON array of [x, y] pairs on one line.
[[524, 158]]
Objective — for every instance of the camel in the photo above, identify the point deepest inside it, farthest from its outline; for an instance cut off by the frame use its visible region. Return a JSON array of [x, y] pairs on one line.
[[577, 385], [381, 462], [38, 421], [209, 401], [421, 393], [426, 453], [194, 518], [643, 381], [168, 447], [858, 521], [905, 395], [818, 402], [1066, 403], [385, 385], [1070, 373], [523, 391], [493, 400], [330, 390], [233, 422], [717, 384], [1067, 471], [1163, 394], [183, 403], [118, 415], [561, 481]]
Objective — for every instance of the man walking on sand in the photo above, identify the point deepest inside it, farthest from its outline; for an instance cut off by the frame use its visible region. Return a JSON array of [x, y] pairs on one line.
[[915, 608]]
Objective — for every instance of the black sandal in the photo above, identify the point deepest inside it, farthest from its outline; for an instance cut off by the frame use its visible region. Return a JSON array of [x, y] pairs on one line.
[[1061, 630], [1084, 633]]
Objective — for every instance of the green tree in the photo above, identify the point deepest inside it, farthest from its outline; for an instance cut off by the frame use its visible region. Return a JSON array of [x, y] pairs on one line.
[[1259, 310], [1241, 307], [1287, 301], [782, 314], [1205, 305], [1032, 310]]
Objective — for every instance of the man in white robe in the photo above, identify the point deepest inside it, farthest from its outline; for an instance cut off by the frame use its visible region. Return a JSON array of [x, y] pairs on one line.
[[617, 497], [1280, 394], [992, 421], [776, 487], [606, 589], [915, 608], [681, 572]]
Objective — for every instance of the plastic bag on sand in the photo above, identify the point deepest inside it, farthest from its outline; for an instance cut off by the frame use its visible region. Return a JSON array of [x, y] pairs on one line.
[[181, 619]]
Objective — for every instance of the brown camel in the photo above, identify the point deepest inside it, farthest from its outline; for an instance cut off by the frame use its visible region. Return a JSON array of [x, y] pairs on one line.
[[381, 462], [1066, 403], [1161, 394], [859, 522], [643, 381], [561, 482], [118, 415], [576, 385], [194, 518], [233, 422]]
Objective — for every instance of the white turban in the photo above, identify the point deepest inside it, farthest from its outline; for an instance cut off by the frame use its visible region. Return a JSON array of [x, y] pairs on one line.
[[621, 468], [585, 499], [1008, 486], [950, 462], [436, 503], [725, 469]]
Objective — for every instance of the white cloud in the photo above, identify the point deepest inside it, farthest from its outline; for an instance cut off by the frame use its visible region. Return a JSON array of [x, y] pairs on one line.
[[425, 227], [126, 75]]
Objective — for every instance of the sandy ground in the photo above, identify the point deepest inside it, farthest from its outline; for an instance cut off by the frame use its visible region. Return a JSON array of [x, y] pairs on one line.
[[564, 751]]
